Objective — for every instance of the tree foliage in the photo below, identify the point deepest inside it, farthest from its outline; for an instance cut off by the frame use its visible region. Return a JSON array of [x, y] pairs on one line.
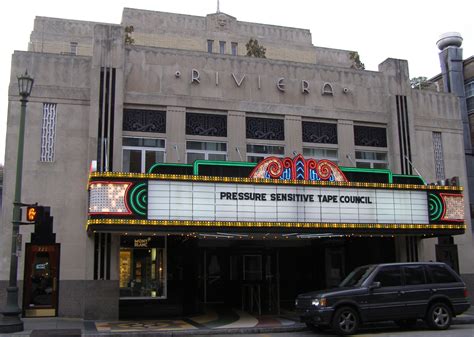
[[128, 35], [356, 63], [254, 49], [420, 82]]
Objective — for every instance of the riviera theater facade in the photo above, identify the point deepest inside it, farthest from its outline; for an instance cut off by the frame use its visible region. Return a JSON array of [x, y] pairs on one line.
[[180, 172]]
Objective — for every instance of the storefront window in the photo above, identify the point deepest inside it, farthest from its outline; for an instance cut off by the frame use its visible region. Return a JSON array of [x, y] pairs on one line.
[[142, 267]]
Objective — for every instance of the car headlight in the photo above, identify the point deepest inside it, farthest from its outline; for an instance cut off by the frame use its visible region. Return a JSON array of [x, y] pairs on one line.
[[296, 302], [319, 302]]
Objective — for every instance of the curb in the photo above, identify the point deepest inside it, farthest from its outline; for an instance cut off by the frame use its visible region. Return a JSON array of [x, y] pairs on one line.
[[199, 332], [463, 320]]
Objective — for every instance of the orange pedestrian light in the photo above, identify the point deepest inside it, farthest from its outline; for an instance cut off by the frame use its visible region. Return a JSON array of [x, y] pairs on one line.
[[33, 213]]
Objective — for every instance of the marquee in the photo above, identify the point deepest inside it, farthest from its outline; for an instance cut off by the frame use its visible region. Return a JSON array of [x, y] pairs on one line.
[[280, 195]]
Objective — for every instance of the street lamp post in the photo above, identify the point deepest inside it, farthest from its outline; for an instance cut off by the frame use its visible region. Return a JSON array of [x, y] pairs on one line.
[[11, 321]]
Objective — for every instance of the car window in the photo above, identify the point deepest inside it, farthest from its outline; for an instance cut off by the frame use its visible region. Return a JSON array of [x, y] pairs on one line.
[[390, 276], [357, 276], [414, 275], [440, 274]]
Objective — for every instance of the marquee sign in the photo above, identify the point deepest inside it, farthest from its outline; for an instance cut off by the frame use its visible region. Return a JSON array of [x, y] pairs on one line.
[[281, 194], [176, 200]]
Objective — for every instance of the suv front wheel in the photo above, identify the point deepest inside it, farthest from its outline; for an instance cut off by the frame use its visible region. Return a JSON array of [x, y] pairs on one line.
[[439, 316], [345, 321]]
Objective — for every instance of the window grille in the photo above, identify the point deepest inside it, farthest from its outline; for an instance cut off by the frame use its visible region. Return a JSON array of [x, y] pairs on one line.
[[315, 132], [265, 128], [438, 156], [370, 136], [48, 132]]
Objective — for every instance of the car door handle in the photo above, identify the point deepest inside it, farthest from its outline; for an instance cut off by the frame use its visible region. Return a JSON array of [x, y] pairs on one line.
[[401, 293], [434, 290]]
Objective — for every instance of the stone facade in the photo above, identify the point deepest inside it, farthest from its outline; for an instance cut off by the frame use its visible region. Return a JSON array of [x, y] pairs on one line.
[[169, 69]]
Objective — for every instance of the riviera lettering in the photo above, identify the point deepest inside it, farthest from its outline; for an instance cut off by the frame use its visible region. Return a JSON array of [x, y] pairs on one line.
[[280, 82], [322, 198]]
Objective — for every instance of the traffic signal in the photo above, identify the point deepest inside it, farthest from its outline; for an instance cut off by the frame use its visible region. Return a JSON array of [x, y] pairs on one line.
[[34, 213]]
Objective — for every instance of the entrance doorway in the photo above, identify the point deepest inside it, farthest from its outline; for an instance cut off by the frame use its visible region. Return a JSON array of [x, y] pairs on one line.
[[240, 277], [41, 281]]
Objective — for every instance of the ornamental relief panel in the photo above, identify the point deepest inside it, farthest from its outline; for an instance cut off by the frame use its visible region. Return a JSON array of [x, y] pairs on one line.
[[206, 125], [370, 136], [144, 120], [265, 128], [323, 133]]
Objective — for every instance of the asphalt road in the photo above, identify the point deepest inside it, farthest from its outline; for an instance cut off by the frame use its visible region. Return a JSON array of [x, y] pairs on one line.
[[460, 330]]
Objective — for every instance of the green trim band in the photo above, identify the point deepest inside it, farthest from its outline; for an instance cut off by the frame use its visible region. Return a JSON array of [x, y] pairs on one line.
[[198, 163]]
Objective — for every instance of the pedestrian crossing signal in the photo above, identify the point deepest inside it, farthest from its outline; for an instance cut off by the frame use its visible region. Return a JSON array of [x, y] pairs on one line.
[[34, 213]]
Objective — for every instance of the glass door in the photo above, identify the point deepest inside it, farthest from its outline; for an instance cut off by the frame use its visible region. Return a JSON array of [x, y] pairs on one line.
[[40, 289]]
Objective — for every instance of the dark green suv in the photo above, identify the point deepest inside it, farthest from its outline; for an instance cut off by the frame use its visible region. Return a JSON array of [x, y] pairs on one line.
[[402, 292]]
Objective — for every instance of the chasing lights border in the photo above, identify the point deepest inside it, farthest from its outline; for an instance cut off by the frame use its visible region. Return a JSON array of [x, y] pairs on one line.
[[243, 224], [192, 178], [93, 184], [447, 208]]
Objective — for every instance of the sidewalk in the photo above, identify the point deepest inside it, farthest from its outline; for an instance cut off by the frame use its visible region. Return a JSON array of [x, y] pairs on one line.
[[212, 323]]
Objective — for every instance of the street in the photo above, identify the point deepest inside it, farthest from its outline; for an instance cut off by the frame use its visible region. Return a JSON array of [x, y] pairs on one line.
[[460, 330]]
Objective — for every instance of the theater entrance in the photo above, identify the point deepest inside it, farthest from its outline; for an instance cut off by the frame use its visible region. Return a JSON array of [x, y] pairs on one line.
[[41, 282], [265, 276], [245, 278]]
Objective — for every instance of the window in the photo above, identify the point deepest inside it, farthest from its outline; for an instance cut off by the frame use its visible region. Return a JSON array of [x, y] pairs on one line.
[[153, 121], [317, 132], [234, 46], [371, 159], [469, 89], [370, 136], [389, 276], [414, 275], [209, 46], [357, 276], [139, 154], [73, 48], [321, 153], [48, 132], [206, 124], [256, 152], [222, 47], [439, 274], [265, 128], [142, 264], [196, 150]]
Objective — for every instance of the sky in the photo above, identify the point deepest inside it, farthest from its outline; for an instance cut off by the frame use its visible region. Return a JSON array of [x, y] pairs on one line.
[[377, 30]]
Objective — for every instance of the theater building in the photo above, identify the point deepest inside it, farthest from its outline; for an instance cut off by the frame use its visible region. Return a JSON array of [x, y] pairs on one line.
[[182, 173]]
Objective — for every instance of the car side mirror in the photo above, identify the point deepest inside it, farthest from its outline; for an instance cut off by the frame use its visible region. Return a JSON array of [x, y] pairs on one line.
[[375, 285]]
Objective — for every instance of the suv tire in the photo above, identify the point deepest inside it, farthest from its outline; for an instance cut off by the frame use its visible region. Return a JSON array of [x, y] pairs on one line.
[[345, 321], [439, 316]]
